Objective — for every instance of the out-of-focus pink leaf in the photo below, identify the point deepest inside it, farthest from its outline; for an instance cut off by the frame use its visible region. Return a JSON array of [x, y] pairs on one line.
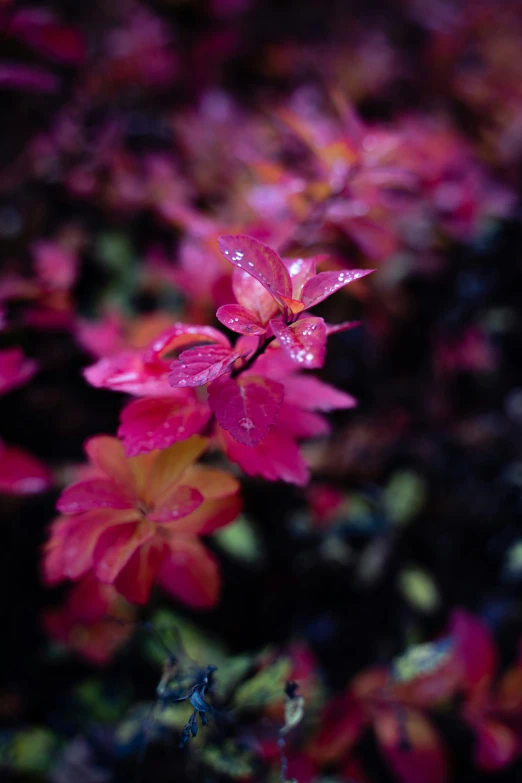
[[117, 545], [239, 319], [15, 369], [299, 423], [136, 578], [275, 458], [190, 573], [260, 261], [40, 30], [246, 407], [21, 473], [28, 78], [496, 746], [93, 493], [313, 395], [342, 722], [127, 372], [411, 746], [56, 267], [303, 341], [345, 326], [325, 284], [475, 648], [157, 423], [199, 366]]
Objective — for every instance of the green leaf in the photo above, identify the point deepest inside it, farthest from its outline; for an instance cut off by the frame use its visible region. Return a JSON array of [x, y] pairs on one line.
[[241, 541], [404, 496], [419, 589], [265, 687]]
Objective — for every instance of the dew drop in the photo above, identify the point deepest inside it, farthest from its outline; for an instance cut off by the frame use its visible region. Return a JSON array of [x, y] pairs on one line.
[[246, 424]]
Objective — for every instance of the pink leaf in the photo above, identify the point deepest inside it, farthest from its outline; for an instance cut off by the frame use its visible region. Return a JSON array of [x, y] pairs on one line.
[[496, 746], [298, 423], [190, 573], [253, 296], [313, 395], [180, 336], [157, 423], [275, 458], [246, 407], [93, 493], [199, 366], [304, 341], [56, 267], [15, 369], [127, 372], [178, 503], [21, 473], [325, 284], [25, 77], [411, 746], [345, 326], [260, 261], [239, 319], [301, 270]]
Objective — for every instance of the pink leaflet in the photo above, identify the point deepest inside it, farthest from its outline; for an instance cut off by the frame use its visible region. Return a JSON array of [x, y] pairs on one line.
[[29, 78], [260, 261], [15, 369], [496, 745], [303, 341], [300, 270], [239, 319], [311, 394], [298, 423], [182, 335], [56, 267], [475, 648], [253, 296], [199, 366], [93, 493], [126, 372], [325, 284], [21, 473], [178, 503], [246, 407], [275, 458], [157, 423], [345, 326]]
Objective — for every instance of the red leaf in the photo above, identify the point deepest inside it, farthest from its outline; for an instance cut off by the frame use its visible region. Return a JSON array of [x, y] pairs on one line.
[[21, 473], [93, 493], [275, 458], [313, 395], [298, 423], [325, 284], [15, 369], [475, 648], [304, 341], [199, 366], [411, 746], [135, 580], [149, 424], [117, 545], [260, 261], [342, 722], [42, 32], [496, 746], [191, 574], [246, 407], [239, 319]]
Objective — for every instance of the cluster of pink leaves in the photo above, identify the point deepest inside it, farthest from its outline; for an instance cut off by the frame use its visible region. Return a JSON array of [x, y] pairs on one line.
[[262, 401]]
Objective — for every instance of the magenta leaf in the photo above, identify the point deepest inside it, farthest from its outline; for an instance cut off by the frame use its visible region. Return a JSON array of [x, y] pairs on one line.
[[239, 319], [15, 369], [275, 458], [28, 78], [93, 493], [253, 296], [157, 423], [246, 407], [311, 394], [127, 372], [199, 366], [345, 326], [21, 473], [325, 284], [182, 336], [260, 261], [40, 30], [178, 503], [304, 342]]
